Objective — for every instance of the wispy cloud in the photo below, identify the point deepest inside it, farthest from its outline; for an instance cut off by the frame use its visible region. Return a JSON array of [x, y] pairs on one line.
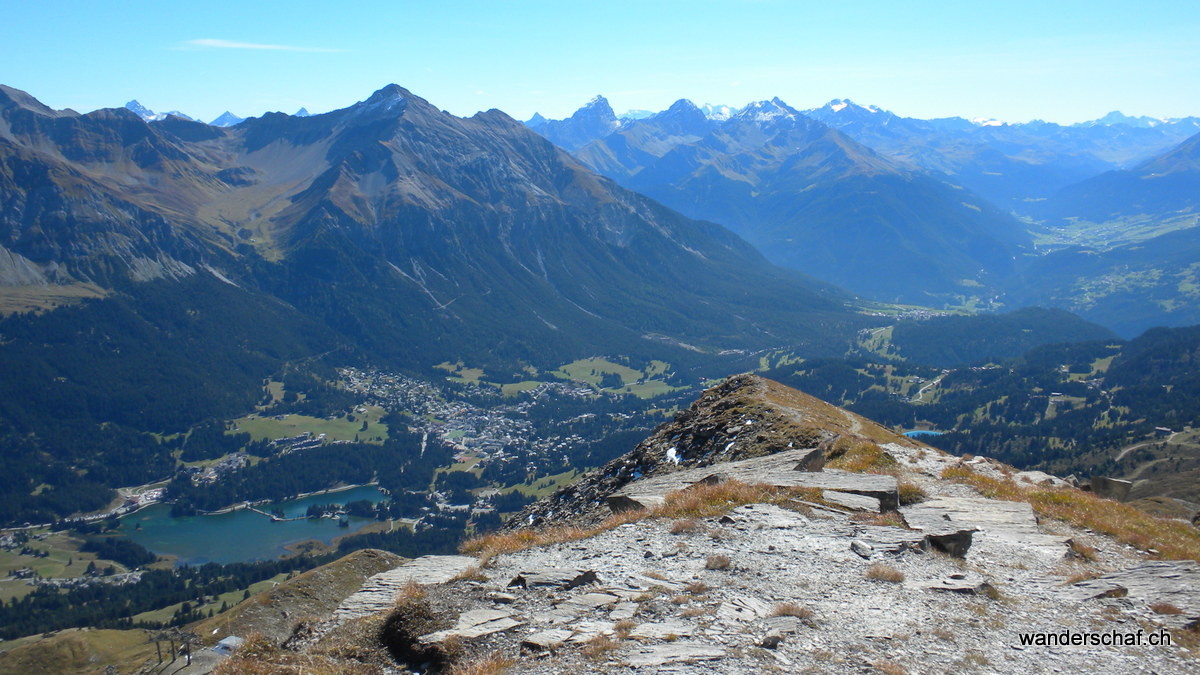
[[213, 43]]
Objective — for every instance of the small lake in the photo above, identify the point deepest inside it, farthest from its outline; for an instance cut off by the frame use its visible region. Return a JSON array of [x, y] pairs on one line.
[[242, 535], [922, 432]]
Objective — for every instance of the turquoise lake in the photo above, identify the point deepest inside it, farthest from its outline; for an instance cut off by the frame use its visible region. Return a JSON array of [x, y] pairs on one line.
[[922, 432], [242, 535]]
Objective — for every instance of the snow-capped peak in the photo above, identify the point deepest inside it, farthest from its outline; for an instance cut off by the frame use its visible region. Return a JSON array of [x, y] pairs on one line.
[[140, 110], [762, 111], [717, 112], [151, 116], [227, 119], [986, 122]]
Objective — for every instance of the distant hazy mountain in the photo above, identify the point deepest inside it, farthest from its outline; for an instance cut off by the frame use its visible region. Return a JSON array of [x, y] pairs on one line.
[[812, 199], [303, 112], [1165, 186], [227, 119], [594, 120], [1013, 165]]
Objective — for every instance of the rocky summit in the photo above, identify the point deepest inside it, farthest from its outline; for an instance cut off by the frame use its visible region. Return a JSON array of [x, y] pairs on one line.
[[763, 530]]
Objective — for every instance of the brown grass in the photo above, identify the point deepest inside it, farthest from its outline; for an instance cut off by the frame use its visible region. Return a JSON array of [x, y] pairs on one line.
[[889, 519], [1175, 540], [882, 572], [717, 562], [1165, 608], [889, 667], [686, 526], [697, 588], [624, 627], [792, 609], [860, 457], [699, 501], [472, 573], [1082, 551], [412, 591], [1081, 576], [599, 647], [495, 663], [910, 493]]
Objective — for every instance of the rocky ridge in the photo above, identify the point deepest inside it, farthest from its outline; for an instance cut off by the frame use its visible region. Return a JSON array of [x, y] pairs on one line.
[[823, 579]]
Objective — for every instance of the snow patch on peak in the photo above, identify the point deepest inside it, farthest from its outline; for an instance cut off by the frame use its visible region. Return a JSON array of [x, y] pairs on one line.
[[717, 112], [986, 122], [838, 107]]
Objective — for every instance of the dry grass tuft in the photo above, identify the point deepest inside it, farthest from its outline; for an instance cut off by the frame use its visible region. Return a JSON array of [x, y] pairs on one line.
[[859, 456], [624, 627], [910, 493], [472, 573], [889, 667], [717, 562], [882, 572], [1081, 576], [889, 519], [697, 588], [1175, 540], [792, 609], [598, 647], [687, 526], [495, 663], [1080, 550], [692, 612], [1165, 608], [411, 592]]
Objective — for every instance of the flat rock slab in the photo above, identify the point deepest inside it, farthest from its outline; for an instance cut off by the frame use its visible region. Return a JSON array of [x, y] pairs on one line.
[[1172, 581], [379, 592], [623, 611], [743, 608], [1010, 522], [662, 630], [677, 652], [784, 469], [547, 639], [475, 623], [594, 600], [851, 501]]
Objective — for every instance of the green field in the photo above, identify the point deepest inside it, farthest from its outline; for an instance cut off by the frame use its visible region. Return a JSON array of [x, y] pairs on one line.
[[336, 429], [514, 388], [63, 548], [591, 370], [545, 486], [648, 389], [230, 599]]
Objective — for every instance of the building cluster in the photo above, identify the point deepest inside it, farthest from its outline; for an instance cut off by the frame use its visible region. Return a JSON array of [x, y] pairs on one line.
[[490, 433]]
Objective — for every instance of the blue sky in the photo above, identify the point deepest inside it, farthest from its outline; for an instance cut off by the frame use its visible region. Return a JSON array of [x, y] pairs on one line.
[[1058, 60]]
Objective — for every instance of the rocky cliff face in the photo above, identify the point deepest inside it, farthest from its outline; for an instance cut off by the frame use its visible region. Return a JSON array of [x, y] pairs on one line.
[[813, 569]]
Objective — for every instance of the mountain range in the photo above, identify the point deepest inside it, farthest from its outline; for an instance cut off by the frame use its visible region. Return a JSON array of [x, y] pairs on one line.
[[388, 218], [806, 195], [943, 212]]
